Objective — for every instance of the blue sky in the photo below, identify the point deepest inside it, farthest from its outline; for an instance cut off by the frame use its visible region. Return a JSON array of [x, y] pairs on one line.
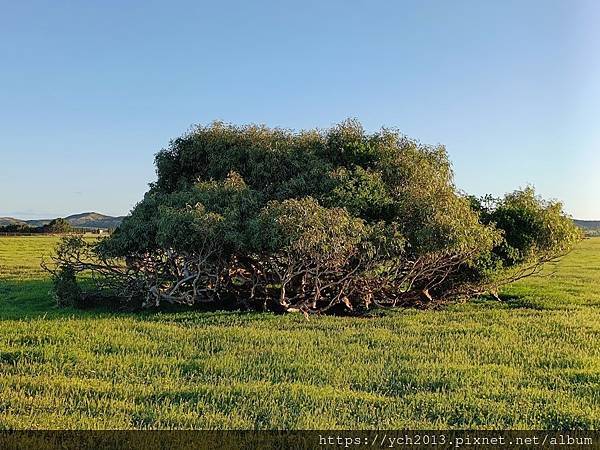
[[90, 91]]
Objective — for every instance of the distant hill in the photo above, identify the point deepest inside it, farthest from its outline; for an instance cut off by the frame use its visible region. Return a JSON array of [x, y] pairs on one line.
[[38, 222], [5, 221], [588, 224], [94, 220], [83, 220]]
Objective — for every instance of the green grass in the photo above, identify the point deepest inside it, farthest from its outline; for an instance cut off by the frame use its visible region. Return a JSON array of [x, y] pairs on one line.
[[532, 361]]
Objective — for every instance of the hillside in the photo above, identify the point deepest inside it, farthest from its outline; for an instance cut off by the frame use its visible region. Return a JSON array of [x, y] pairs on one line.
[[94, 220], [83, 220], [588, 224], [37, 222], [5, 221]]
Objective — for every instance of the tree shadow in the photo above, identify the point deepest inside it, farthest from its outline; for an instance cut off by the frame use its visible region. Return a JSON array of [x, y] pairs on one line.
[[32, 298], [517, 302]]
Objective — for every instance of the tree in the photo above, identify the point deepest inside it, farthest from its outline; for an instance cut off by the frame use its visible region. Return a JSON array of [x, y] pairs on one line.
[[57, 226], [275, 219], [16, 228]]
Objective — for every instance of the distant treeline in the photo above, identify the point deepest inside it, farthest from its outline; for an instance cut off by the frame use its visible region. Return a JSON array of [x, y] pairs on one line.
[[56, 226]]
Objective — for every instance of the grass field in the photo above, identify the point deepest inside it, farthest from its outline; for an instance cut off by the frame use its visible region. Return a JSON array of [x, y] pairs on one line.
[[532, 361]]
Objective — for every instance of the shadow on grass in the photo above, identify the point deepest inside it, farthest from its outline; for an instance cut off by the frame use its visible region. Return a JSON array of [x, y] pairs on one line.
[[510, 302], [31, 299], [515, 302]]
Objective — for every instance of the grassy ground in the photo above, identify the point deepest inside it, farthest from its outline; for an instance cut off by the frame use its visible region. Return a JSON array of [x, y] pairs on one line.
[[532, 361]]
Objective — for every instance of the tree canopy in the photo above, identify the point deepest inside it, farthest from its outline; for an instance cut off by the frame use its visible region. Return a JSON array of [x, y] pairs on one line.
[[319, 219], [59, 225]]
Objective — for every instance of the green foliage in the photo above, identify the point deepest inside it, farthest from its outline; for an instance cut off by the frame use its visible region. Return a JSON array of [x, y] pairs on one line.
[[66, 290], [17, 228], [533, 228], [534, 232], [205, 212], [57, 226], [362, 192], [208, 213], [308, 233]]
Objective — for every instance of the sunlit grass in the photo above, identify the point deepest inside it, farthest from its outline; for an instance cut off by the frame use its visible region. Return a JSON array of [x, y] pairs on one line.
[[532, 361]]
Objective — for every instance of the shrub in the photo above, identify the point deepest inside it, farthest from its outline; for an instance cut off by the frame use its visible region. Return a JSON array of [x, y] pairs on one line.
[[534, 232], [270, 218], [66, 289]]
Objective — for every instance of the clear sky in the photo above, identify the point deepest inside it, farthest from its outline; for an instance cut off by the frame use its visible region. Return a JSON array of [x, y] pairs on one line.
[[90, 91]]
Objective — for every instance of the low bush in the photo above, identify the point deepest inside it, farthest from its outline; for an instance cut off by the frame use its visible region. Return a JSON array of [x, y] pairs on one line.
[[66, 290]]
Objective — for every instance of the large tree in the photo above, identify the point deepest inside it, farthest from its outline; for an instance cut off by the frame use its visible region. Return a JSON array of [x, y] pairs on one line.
[[275, 219]]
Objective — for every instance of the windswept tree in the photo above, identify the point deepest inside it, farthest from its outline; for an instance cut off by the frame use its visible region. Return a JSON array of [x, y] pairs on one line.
[[274, 219]]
